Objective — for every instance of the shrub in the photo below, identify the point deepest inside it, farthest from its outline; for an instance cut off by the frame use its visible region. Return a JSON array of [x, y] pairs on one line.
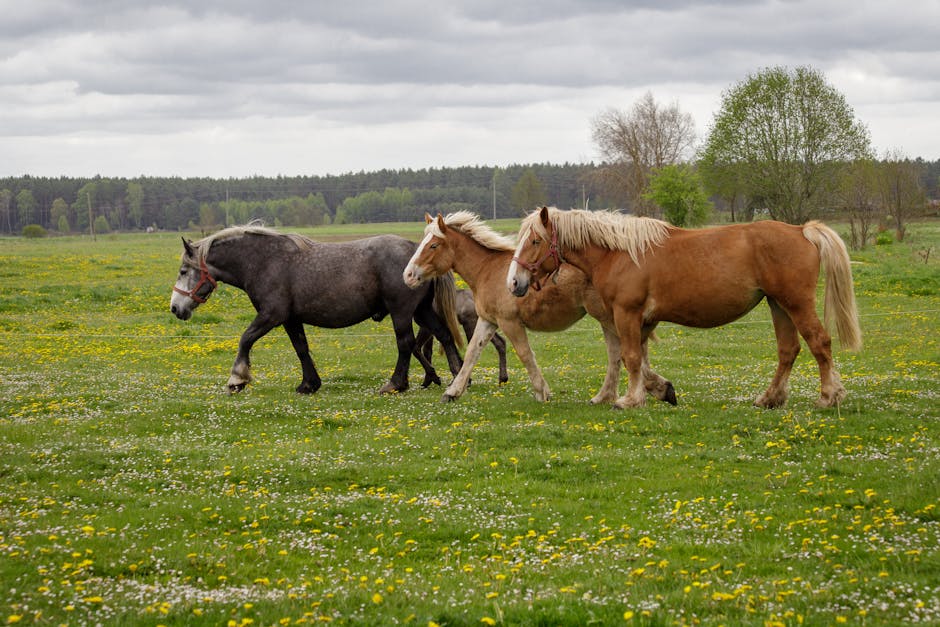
[[884, 238], [33, 231], [101, 225]]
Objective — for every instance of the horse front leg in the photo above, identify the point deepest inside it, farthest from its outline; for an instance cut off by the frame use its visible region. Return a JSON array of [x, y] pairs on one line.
[[482, 334], [241, 369], [520, 342], [631, 353], [310, 380], [608, 391]]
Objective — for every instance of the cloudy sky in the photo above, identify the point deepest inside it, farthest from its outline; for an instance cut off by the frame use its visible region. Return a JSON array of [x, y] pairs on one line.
[[233, 88]]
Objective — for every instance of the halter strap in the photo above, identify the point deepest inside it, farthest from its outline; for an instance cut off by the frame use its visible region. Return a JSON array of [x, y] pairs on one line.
[[553, 252], [204, 277]]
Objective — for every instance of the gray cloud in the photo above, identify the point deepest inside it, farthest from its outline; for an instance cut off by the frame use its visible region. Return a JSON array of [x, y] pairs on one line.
[[254, 76]]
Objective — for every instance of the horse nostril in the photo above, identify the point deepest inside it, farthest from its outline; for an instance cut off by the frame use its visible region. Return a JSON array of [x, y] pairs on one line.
[[173, 309]]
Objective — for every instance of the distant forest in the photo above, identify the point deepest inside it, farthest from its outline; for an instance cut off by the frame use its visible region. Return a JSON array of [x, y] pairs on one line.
[[71, 204]]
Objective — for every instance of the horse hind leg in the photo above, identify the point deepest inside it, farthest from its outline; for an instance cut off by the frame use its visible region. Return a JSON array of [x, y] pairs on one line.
[[405, 341], [423, 350], [656, 385], [310, 381], [831, 391], [500, 344], [788, 347]]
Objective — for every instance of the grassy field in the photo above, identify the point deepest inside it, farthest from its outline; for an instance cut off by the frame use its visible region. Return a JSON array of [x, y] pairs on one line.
[[134, 490]]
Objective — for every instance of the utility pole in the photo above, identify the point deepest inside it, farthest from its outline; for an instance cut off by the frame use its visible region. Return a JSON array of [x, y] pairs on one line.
[[495, 172], [91, 221]]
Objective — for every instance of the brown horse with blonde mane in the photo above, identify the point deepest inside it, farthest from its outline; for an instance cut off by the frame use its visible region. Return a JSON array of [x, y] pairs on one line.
[[647, 271], [462, 242]]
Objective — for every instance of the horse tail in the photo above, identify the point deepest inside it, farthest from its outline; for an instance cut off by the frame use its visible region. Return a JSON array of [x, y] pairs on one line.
[[839, 299], [445, 293]]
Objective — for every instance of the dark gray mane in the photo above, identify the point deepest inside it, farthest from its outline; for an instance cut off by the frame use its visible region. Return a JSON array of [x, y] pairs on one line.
[[201, 247]]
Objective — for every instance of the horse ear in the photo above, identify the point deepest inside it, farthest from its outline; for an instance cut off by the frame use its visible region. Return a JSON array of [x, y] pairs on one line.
[[427, 218], [543, 216], [440, 223], [188, 247]]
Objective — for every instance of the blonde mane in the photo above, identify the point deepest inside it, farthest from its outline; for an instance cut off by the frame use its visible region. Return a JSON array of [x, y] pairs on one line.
[[577, 229], [255, 227], [471, 225]]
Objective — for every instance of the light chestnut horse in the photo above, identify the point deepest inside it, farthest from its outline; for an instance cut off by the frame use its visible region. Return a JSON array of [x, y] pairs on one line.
[[462, 242], [647, 271]]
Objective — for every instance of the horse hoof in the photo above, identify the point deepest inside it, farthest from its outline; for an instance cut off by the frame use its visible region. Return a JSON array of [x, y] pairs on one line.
[[670, 396], [503, 379], [236, 388], [447, 398], [391, 388], [307, 388], [429, 380]]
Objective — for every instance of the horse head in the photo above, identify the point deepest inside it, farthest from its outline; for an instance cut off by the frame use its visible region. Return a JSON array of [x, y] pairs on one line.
[[537, 254], [433, 256], [194, 283]]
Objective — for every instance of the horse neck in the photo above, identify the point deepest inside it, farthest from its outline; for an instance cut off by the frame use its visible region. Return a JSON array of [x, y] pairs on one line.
[[585, 259], [233, 260], [470, 257]]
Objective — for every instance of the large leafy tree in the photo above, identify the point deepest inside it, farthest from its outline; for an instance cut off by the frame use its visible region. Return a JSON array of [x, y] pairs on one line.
[[785, 135]]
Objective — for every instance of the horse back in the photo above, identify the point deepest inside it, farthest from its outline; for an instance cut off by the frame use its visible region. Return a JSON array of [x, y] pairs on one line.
[[335, 284]]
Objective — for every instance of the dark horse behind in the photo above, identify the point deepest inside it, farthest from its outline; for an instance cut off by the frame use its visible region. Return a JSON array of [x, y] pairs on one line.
[[292, 280]]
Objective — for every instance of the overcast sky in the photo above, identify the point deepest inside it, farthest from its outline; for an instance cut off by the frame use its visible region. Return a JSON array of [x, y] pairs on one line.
[[233, 88]]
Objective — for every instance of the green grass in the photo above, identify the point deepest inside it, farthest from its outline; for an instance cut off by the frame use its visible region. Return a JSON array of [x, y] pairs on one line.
[[134, 490]]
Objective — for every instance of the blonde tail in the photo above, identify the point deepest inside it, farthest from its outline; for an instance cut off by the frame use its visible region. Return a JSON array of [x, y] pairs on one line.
[[839, 300], [445, 293]]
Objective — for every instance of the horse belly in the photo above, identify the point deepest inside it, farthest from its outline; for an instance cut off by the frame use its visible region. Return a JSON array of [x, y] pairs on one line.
[[705, 310]]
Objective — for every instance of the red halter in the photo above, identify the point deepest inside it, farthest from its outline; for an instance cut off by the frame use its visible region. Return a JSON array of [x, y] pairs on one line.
[[553, 252], [204, 277]]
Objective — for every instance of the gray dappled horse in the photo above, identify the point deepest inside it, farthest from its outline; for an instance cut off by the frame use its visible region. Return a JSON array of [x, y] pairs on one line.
[[292, 280]]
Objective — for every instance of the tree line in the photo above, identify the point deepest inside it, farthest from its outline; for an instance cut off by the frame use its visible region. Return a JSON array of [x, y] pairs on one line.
[[68, 204]]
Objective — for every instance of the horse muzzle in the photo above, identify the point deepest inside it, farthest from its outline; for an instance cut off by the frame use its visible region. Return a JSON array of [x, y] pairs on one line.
[[180, 308], [518, 285], [181, 312], [412, 276]]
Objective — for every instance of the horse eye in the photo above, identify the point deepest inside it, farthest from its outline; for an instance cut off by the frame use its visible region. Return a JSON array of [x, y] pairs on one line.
[[536, 242], [434, 245]]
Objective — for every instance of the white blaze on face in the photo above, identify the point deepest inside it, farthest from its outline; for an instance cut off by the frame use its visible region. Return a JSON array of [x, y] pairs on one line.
[[181, 305], [412, 274], [513, 276]]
